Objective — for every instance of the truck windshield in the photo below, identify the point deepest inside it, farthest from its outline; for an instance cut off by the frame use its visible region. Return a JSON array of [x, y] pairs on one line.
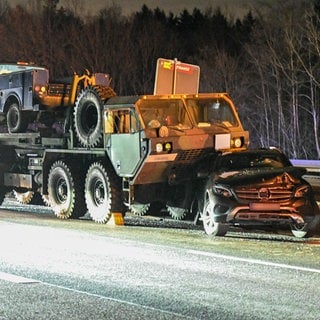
[[164, 112], [206, 111]]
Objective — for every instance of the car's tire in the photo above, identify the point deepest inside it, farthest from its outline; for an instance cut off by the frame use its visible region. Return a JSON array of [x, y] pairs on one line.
[[307, 229], [88, 117], [210, 226], [299, 231], [102, 192], [16, 120], [65, 191]]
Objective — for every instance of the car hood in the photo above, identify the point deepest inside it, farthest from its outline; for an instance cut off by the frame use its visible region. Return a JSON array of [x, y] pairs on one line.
[[256, 175]]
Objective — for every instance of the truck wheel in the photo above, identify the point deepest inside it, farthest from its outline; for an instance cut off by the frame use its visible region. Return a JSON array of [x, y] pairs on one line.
[[16, 121], [23, 197], [176, 213], [210, 226], [102, 193], [88, 117], [65, 191], [139, 209], [28, 197]]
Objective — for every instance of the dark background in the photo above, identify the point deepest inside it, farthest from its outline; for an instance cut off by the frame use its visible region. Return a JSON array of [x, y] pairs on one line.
[[268, 60]]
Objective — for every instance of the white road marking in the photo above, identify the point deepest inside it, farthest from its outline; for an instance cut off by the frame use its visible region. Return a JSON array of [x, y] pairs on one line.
[[22, 280], [254, 261], [16, 279], [178, 315]]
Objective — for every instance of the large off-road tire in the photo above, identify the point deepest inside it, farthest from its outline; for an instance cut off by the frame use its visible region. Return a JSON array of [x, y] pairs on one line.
[[65, 191], [17, 121], [28, 197], [102, 192], [210, 226], [23, 197], [176, 212], [139, 209], [88, 117]]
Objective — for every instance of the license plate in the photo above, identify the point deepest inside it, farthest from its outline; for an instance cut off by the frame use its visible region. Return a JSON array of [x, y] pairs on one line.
[[264, 206]]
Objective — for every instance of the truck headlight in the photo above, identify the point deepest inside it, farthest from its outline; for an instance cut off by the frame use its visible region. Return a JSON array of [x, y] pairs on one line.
[[236, 142], [167, 147], [159, 147]]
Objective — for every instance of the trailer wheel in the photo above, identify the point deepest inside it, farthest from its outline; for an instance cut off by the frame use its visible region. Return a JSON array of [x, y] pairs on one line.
[[88, 117], [102, 193], [65, 190], [16, 121]]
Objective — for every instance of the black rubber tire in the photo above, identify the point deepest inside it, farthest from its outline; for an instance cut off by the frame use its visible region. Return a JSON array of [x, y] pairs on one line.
[[28, 197], [102, 192], [88, 117], [16, 121], [23, 197], [211, 227], [65, 190], [3, 192]]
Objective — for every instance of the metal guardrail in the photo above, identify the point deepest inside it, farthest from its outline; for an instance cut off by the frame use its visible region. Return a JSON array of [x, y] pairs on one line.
[[312, 175]]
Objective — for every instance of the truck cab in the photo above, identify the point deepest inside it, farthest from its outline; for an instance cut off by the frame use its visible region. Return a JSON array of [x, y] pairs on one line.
[[168, 139]]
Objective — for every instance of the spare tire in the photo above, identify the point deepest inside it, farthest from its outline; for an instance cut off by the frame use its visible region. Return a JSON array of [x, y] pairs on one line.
[[88, 117]]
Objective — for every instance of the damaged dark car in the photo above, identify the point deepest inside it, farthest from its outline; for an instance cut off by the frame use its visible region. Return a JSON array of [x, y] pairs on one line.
[[259, 187]]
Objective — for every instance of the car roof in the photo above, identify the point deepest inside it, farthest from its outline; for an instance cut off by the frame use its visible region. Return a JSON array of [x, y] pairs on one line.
[[257, 151]]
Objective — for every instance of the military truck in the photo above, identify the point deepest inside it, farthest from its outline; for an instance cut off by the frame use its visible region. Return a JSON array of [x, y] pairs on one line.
[[121, 153]]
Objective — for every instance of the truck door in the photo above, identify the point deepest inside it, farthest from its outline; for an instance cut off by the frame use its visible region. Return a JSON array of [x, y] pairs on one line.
[[124, 145], [27, 90]]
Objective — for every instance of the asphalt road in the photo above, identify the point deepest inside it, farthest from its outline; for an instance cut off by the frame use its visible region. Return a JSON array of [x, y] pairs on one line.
[[76, 269]]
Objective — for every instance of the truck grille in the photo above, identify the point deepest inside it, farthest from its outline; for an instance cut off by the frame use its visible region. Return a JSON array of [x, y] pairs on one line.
[[278, 194], [192, 155], [186, 161]]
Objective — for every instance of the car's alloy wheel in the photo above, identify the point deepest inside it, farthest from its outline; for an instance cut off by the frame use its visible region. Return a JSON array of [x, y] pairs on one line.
[[210, 226]]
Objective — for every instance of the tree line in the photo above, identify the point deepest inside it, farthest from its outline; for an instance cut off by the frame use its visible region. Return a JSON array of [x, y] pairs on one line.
[[267, 60]]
